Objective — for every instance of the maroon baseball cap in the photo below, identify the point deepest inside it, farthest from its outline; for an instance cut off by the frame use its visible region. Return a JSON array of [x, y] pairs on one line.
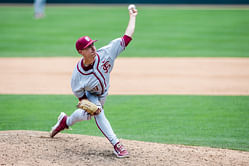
[[84, 42]]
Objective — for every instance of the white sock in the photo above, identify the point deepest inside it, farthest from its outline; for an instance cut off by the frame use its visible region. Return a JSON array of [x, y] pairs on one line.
[[77, 116], [105, 127]]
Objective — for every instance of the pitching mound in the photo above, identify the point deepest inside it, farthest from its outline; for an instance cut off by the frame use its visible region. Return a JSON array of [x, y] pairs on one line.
[[36, 148]]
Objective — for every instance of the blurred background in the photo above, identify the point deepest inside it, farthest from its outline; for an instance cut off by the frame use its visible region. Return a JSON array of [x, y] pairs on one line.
[[163, 29], [138, 1]]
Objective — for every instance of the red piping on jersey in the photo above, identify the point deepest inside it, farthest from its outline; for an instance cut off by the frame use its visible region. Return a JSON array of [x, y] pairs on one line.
[[82, 72], [100, 128], [94, 75], [88, 67], [100, 83], [99, 71]]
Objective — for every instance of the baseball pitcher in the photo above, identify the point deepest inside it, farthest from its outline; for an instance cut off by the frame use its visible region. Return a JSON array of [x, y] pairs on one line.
[[90, 84]]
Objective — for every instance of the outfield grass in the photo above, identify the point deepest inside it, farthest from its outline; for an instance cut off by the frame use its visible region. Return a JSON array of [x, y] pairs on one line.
[[160, 31], [215, 121]]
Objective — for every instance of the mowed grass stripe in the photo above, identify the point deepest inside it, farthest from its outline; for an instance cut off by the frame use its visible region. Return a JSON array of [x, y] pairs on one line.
[[214, 121], [160, 31]]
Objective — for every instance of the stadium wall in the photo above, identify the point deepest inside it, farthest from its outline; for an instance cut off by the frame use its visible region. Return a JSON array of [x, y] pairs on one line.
[[138, 1]]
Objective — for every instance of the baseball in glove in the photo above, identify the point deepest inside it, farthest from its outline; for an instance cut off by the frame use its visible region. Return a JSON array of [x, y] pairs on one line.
[[89, 107]]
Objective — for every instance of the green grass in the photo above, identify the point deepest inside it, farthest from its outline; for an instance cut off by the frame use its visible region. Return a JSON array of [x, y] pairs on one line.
[[214, 121], [160, 31]]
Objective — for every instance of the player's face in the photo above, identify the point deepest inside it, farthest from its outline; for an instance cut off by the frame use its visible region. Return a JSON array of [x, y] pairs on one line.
[[89, 53]]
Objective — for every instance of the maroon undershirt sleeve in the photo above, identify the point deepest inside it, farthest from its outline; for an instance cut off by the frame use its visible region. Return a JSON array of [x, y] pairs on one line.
[[83, 97], [127, 40]]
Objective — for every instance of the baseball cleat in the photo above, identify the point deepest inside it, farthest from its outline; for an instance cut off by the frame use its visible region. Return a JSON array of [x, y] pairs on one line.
[[120, 151], [60, 125]]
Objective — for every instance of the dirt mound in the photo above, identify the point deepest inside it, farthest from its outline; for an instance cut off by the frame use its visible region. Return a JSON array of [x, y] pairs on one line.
[[36, 148]]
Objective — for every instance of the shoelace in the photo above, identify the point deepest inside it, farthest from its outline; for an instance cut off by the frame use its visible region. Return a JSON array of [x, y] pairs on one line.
[[120, 147]]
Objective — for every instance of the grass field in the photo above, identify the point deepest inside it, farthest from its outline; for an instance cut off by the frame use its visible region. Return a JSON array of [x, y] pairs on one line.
[[214, 121], [160, 31]]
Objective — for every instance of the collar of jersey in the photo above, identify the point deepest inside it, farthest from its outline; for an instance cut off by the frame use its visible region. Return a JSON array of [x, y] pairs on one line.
[[89, 67]]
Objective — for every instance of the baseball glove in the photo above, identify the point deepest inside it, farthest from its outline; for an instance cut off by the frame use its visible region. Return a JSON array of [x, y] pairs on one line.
[[89, 107]]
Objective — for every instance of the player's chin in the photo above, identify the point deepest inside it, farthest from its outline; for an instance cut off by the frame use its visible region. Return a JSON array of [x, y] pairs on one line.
[[94, 55]]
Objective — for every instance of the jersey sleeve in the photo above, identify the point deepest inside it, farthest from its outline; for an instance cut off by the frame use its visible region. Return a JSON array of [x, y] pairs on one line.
[[76, 86], [114, 48]]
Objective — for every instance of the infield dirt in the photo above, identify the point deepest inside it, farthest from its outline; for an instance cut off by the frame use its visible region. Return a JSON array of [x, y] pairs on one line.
[[216, 76], [198, 76]]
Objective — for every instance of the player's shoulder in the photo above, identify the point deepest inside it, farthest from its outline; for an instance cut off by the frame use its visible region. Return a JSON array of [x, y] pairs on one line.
[[117, 41]]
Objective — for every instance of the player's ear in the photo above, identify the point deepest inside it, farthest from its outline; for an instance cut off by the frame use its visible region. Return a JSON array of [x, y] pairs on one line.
[[80, 51]]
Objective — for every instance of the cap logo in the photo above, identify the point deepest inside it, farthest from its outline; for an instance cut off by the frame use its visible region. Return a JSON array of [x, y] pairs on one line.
[[87, 38]]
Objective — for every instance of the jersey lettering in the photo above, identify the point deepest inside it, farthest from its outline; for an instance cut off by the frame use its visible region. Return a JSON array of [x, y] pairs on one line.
[[106, 66]]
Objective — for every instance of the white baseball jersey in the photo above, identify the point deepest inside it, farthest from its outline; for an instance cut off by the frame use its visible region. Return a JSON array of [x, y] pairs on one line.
[[96, 79]]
